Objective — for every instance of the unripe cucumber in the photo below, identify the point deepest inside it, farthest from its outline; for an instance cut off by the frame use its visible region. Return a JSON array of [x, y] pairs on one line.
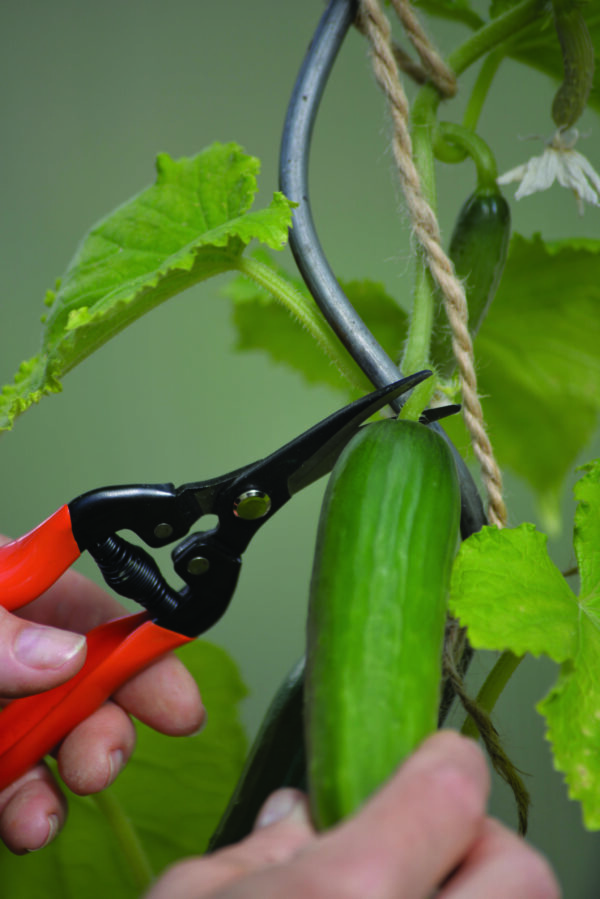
[[478, 248], [578, 61], [387, 537]]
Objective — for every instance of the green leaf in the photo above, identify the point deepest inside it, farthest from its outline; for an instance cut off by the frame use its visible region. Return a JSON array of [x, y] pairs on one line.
[[170, 796], [587, 529], [509, 595], [194, 222], [262, 323], [538, 358], [512, 596]]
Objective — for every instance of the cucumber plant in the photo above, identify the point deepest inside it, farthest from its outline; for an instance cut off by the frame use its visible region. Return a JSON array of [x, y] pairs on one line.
[[537, 355]]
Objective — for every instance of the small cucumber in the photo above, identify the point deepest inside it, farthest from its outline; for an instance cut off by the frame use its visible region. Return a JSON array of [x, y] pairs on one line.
[[478, 248], [578, 61], [386, 540]]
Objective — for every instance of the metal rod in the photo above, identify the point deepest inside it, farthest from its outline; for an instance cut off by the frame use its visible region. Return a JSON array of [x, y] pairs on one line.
[[305, 244]]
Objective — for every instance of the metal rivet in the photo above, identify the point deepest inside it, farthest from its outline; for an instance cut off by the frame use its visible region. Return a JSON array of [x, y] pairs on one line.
[[252, 504], [198, 565], [163, 530]]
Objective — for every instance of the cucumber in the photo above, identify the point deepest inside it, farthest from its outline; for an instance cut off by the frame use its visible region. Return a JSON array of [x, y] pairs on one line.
[[387, 536], [478, 248], [577, 51]]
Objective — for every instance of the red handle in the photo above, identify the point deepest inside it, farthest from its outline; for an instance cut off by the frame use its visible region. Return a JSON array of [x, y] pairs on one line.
[[32, 726], [31, 564]]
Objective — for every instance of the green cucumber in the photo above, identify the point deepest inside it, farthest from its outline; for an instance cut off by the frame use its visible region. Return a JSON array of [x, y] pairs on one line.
[[478, 248], [387, 536], [577, 51]]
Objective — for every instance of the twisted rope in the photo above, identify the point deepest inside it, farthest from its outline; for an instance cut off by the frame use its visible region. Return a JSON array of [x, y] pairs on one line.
[[438, 72], [374, 24]]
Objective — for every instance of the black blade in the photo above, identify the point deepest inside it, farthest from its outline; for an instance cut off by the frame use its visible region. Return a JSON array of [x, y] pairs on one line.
[[314, 453], [430, 415]]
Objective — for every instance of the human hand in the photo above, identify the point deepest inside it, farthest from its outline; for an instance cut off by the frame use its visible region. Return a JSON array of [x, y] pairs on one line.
[[33, 659], [425, 833]]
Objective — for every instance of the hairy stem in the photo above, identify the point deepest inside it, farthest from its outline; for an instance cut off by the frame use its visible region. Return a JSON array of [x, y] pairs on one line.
[[416, 349], [306, 313], [493, 686]]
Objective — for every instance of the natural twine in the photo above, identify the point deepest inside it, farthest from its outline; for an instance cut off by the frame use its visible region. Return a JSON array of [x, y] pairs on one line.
[[374, 24], [437, 71]]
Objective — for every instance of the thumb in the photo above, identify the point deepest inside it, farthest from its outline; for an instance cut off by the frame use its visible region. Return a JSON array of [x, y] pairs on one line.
[[34, 658]]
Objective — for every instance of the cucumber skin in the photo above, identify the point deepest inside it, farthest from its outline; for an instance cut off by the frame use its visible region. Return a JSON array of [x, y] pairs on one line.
[[387, 536], [478, 248]]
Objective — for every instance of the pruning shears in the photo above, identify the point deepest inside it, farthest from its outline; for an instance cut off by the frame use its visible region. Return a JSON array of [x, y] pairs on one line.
[[208, 562]]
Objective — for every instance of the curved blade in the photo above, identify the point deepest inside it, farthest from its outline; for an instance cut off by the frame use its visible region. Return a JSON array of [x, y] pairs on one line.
[[321, 445]]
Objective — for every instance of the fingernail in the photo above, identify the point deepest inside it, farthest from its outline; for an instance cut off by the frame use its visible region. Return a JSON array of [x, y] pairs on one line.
[[282, 804], [116, 762], [46, 647], [53, 827]]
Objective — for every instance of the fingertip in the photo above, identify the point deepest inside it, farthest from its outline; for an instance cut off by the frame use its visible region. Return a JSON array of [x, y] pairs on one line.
[[91, 757], [33, 814], [34, 658], [43, 648], [165, 697]]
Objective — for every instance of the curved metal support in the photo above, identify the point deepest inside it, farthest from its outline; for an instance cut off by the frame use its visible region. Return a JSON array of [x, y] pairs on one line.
[[305, 244]]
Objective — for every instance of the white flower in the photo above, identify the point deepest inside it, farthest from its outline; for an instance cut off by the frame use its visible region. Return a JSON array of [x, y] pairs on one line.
[[559, 162]]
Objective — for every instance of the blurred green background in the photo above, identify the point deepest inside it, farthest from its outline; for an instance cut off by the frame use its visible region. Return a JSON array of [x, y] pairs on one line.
[[91, 93]]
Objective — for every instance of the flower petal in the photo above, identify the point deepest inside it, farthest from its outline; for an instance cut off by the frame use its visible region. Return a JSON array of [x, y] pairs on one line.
[[588, 170], [571, 175], [513, 175], [541, 173]]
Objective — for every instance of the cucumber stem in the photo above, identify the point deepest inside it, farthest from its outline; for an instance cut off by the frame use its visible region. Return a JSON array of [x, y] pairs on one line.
[[424, 111], [475, 147], [492, 688], [416, 349], [480, 90], [494, 33]]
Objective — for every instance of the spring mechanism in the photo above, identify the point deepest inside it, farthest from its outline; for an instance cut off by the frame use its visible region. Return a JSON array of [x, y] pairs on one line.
[[133, 573]]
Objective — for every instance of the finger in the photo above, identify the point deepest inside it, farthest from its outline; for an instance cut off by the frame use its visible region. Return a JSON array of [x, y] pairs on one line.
[[164, 696], [73, 603], [501, 864], [32, 811], [412, 833], [34, 658], [283, 829], [91, 756]]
